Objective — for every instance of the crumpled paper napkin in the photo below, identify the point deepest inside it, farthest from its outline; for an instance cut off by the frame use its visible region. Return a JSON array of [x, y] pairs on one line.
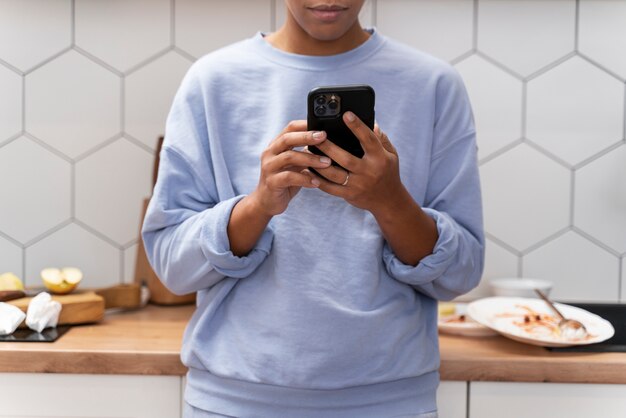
[[43, 312], [10, 318]]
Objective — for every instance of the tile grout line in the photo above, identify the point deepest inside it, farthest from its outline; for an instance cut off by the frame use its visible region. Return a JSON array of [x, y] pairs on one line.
[[273, 15], [94, 59], [475, 28], [48, 232], [96, 233], [173, 23], [598, 155], [550, 66], [98, 147], [73, 190], [600, 67], [11, 67], [43, 144], [122, 104], [121, 278], [131, 139], [23, 103], [12, 240], [23, 248], [576, 25], [502, 244], [374, 14], [620, 283], [532, 144], [572, 198], [500, 151], [624, 115], [524, 108], [184, 54], [147, 61], [467, 399], [499, 65], [595, 241], [73, 24], [546, 240]]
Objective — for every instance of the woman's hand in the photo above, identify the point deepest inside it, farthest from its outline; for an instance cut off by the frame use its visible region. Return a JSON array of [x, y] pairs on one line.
[[372, 182], [283, 168], [283, 173]]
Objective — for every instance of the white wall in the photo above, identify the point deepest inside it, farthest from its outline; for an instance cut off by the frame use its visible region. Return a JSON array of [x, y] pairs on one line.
[[85, 86]]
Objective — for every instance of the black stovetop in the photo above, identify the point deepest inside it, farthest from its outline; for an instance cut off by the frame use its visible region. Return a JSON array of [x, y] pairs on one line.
[[615, 313]]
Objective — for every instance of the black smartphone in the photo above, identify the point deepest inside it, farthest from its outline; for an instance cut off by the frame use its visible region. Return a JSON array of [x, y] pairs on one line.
[[325, 109]]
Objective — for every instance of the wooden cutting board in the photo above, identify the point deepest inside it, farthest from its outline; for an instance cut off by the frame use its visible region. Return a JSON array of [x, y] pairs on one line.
[[79, 307]]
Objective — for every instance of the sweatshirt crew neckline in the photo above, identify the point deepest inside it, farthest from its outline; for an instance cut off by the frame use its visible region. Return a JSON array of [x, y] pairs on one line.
[[318, 62]]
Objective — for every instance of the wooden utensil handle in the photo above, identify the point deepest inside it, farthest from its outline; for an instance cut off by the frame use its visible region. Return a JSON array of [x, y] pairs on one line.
[[6, 295]]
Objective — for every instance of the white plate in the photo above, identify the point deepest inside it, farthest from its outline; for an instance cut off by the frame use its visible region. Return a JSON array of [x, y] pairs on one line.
[[468, 328], [494, 313]]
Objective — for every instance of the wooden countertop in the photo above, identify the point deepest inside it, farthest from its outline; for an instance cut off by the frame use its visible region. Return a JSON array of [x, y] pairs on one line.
[[147, 341], [144, 341]]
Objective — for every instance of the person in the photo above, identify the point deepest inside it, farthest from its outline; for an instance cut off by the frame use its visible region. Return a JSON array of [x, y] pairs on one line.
[[316, 293]]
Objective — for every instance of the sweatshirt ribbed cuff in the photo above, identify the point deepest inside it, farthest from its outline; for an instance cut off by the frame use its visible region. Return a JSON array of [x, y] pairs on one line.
[[432, 266], [216, 245]]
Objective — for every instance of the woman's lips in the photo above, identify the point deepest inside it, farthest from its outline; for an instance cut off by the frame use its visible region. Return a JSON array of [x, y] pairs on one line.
[[327, 14]]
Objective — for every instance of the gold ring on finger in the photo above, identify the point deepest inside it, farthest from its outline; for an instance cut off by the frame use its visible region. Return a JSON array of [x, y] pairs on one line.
[[345, 182]]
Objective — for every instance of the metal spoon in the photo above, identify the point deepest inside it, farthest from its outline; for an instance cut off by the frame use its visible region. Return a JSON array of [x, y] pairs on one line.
[[571, 329]]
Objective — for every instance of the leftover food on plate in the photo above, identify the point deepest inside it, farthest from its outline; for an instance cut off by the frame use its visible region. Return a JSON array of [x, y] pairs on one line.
[[531, 321], [541, 324]]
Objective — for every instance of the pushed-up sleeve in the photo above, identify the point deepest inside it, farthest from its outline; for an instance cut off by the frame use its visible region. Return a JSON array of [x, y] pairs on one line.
[[453, 200], [185, 228]]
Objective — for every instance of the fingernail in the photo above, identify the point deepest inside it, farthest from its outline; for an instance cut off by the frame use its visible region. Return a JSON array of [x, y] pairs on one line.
[[350, 116], [324, 160], [315, 182], [318, 135]]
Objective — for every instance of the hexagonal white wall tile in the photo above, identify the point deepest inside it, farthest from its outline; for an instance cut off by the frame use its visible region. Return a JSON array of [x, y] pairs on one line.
[[35, 190], [34, 30], [365, 16], [602, 33], [123, 33], [10, 258], [499, 262], [575, 110], [497, 103], [146, 107], [203, 26], [130, 258], [73, 246], [526, 35], [580, 270], [441, 28], [110, 187], [600, 199], [10, 103], [72, 104], [525, 196]]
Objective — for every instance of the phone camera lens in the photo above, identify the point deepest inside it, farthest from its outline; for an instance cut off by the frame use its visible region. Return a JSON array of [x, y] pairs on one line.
[[320, 110], [320, 100], [332, 104]]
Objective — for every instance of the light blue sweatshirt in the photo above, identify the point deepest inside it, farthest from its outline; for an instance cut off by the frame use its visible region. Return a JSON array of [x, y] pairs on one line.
[[320, 319]]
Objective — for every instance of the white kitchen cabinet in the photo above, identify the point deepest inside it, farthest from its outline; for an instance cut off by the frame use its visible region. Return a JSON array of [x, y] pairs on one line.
[[546, 400], [452, 400], [39, 395]]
